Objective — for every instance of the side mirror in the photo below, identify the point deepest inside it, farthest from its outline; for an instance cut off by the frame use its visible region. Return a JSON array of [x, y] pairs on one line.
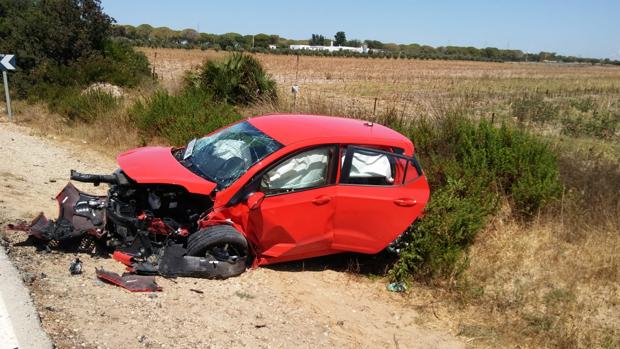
[[255, 199]]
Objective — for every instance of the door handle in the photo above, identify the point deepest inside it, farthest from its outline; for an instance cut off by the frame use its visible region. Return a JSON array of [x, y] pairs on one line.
[[321, 200], [405, 202]]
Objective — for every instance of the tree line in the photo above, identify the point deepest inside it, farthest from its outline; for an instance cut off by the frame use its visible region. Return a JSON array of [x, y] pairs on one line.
[[149, 36]]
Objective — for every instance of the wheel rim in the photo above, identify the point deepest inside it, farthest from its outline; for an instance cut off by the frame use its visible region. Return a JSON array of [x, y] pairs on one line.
[[225, 252]]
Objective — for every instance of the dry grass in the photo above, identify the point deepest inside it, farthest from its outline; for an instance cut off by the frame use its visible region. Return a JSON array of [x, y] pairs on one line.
[[553, 282], [414, 87]]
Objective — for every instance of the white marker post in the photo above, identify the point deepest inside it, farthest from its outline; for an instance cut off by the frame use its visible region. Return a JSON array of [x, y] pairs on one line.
[[7, 62]]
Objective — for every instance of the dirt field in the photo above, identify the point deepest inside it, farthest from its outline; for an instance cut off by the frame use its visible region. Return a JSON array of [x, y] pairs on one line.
[[415, 87], [282, 307]]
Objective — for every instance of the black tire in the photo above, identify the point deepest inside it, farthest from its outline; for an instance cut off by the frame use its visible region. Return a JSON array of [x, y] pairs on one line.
[[221, 243]]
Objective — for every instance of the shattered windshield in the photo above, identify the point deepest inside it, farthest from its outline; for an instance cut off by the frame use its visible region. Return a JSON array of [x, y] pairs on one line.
[[226, 155]]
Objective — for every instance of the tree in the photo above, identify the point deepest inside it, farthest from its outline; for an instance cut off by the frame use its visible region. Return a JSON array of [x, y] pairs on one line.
[[262, 40], [354, 43], [58, 30], [340, 39], [317, 40], [374, 44]]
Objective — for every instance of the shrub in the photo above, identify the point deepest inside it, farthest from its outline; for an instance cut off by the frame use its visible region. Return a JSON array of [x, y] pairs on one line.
[[192, 113], [81, 106], [238, 79], [470, 167], [600, 124], [533, 108]]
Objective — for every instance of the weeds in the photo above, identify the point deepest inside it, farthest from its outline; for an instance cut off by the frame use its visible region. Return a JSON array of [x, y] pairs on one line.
[[533, 108], [192, 113], [84, 106], [470, 166]]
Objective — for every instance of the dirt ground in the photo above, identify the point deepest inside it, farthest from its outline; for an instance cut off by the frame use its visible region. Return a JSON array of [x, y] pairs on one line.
[[294, 305]]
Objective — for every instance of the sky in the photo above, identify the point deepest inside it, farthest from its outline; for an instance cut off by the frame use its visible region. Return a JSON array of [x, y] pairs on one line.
[[587, 28]]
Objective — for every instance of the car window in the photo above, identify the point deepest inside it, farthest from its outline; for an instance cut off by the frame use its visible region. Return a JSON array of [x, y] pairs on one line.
[[368, 167], [226, 155], [305, 170]]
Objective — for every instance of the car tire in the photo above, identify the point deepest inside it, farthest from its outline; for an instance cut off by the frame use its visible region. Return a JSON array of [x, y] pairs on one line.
[[222, 244]]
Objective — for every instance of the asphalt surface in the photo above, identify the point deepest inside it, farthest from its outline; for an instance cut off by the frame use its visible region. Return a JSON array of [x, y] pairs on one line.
[[19, 322]]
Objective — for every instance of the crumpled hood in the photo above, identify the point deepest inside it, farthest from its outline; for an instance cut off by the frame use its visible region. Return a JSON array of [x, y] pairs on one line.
[[158, 165]]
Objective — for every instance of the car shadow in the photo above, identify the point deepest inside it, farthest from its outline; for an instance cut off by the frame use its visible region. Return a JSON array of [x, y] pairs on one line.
[[353, 263]]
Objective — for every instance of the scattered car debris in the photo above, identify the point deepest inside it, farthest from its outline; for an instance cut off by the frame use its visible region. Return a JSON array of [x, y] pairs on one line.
[[76, 267], [397, 287], [197, 291], [131, 282]]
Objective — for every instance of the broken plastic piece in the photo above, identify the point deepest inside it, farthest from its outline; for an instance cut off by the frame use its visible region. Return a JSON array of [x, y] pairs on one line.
[[397, 287], [76, 267], [131, 282]]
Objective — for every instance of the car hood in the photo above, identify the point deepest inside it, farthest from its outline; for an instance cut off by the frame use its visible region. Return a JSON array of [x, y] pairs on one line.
[[158, 165]]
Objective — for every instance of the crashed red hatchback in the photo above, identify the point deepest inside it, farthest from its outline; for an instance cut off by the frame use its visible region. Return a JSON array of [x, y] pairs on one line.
[[265, 190]]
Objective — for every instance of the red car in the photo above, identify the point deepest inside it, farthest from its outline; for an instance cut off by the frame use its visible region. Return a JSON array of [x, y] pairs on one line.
[[265, 190]]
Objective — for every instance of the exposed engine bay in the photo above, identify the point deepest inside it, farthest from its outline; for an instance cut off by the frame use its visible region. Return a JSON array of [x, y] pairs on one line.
[[148, 226]]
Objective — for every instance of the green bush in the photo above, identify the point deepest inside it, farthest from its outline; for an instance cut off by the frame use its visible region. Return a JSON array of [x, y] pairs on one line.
[[534, 108], [600, 124], [239, 79], [470, 167], [192, 113], [81, 106]]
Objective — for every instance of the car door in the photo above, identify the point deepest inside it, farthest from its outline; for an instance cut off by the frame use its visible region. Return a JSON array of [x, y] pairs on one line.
[[380, 194], [295, 219]]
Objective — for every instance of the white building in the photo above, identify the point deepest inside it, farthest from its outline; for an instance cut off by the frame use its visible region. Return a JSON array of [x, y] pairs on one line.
[[330, 48]]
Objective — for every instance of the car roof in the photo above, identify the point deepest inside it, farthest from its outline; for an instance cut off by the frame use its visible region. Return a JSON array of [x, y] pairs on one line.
[[292, 128]]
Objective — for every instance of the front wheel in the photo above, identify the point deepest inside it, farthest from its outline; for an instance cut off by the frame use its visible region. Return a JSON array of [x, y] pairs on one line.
[[226, 247]]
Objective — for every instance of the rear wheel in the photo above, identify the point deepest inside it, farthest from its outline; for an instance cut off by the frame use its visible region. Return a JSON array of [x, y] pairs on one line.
[[223, 245]]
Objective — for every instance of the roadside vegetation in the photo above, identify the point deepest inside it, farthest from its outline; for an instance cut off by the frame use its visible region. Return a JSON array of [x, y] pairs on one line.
[[520, 234]]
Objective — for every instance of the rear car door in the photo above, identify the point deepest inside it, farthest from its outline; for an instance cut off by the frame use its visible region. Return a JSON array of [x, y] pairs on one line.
[[295, 219], [380, 193]]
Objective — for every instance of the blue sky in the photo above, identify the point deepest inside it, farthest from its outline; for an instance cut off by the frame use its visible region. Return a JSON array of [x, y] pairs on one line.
[[581, 28]]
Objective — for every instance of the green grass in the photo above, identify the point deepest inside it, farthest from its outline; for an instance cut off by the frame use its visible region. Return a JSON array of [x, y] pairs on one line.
[[179, 118], [471, 165]]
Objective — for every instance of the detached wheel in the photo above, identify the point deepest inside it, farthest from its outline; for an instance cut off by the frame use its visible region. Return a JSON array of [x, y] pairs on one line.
[[224, 246]]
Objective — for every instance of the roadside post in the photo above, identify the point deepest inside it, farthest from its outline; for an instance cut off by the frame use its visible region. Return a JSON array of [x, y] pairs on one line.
[[7, 62]]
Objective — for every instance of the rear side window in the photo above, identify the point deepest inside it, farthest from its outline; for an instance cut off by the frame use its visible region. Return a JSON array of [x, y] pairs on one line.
[[368, 166]]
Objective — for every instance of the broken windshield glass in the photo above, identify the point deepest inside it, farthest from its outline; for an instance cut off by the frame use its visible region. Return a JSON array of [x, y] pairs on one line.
[[225, 156]]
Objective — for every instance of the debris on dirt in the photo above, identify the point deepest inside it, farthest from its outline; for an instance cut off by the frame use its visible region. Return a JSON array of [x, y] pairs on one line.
[[397, 287], [197, 291], [28, 278], [19, 226], [131, 282], [76, 267], [260, 325]]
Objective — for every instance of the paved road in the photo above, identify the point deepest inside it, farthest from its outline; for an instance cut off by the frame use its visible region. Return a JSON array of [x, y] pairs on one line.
[[19, 322]]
